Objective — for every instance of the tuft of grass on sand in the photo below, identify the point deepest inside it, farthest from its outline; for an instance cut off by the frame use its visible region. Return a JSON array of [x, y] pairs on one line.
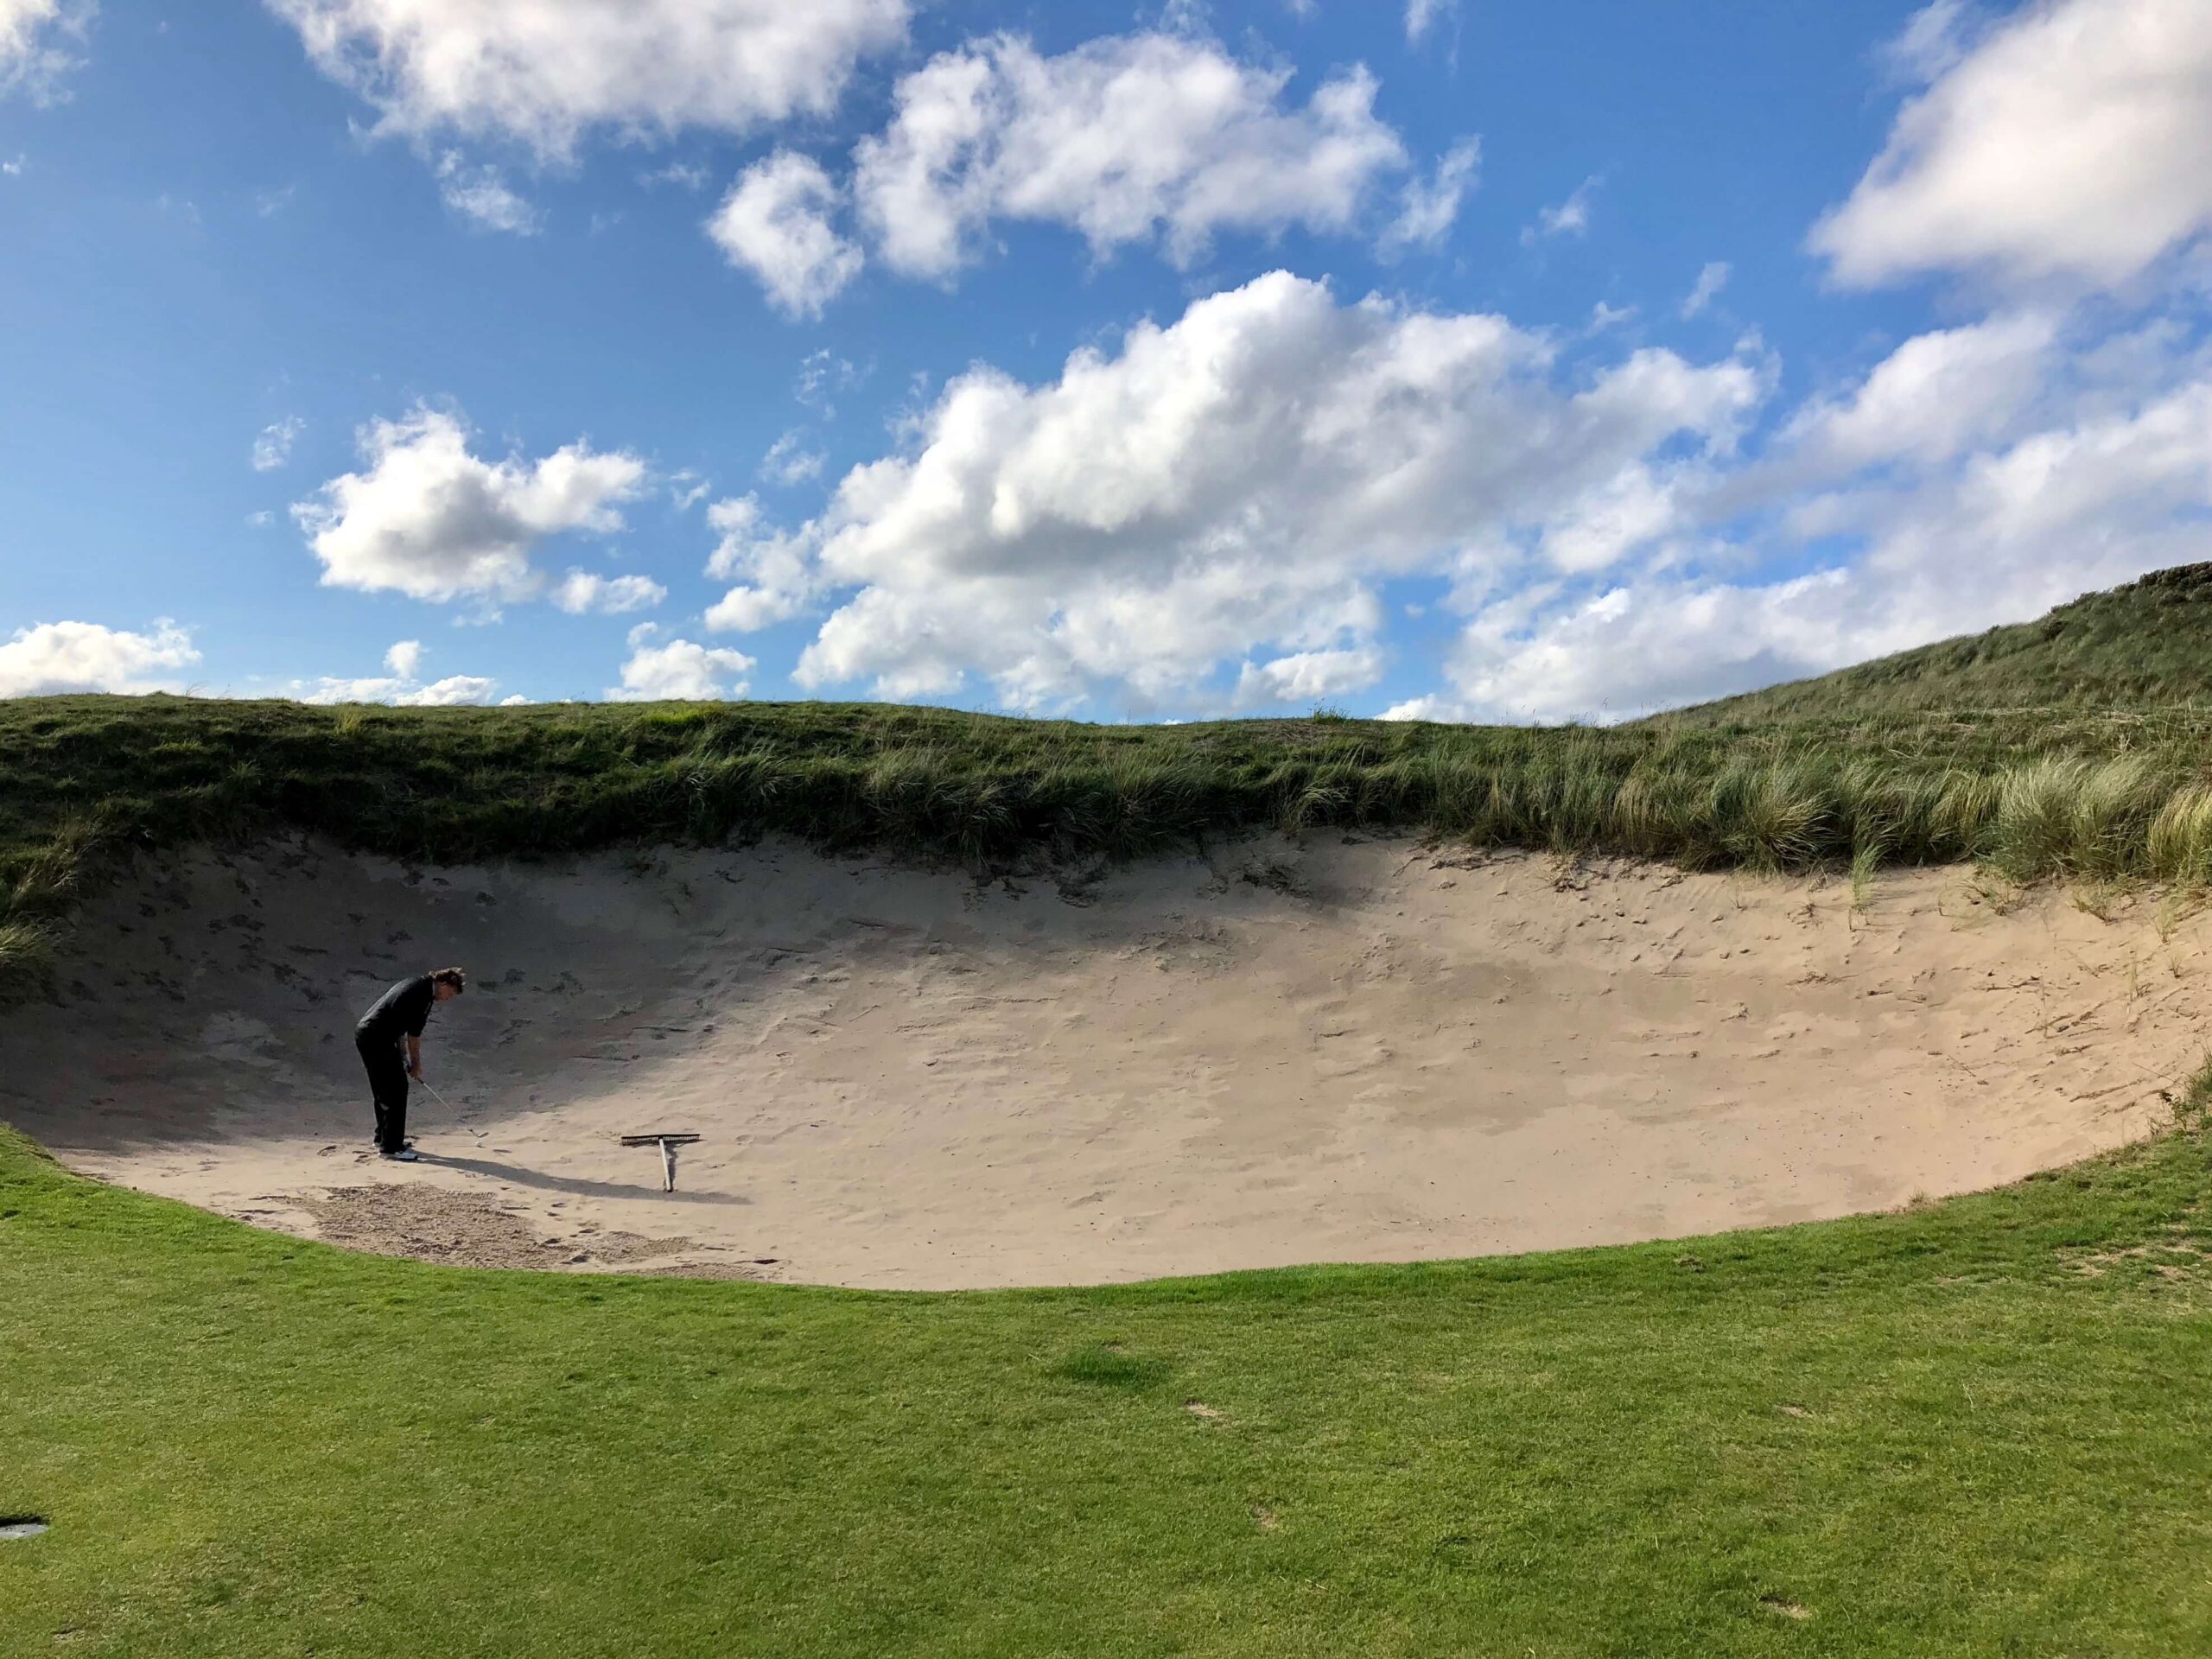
[[1965, 1428], [2193, 1106]]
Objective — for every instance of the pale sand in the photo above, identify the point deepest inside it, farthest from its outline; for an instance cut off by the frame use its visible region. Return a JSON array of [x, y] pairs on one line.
[[1342, 1052]]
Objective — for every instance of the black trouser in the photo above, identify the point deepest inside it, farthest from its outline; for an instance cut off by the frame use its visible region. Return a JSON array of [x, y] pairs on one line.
[[387, 1083]]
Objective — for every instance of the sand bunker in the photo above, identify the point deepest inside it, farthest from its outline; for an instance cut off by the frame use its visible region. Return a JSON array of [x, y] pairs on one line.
[[1344, 1051]]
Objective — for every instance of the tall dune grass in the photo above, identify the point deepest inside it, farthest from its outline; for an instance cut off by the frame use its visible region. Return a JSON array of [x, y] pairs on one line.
[[90, 778], [2178, 846]]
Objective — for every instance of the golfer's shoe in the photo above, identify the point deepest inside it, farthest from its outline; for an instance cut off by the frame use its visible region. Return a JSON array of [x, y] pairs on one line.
[[405, 1155]]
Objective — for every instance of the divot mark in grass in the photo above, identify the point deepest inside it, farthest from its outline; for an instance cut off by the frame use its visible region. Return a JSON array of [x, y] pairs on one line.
[[13, 1527], [1793, 1411], [1785, 1607], [1211, 1413], [1265, 1518]]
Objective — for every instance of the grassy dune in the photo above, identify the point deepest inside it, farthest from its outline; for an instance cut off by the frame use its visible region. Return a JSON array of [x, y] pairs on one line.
[[2136, 648], [2081, 745]]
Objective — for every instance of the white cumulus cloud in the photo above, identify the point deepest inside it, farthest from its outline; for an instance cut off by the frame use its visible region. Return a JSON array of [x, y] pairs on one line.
[[542, 73], [776, 222], [1306, 675], [57, 657], [403, 685], [1936, 396], [448, 693], [2009, 530], [455, 691], [426, 518], [1933, 40], [1125, 139], [2069, 143], [1232, 486], [680, 670], [579, 593], [774, 570], [35, 37]]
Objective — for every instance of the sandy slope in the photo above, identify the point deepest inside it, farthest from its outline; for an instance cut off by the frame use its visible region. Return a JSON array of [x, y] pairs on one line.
[[1343, 1051]]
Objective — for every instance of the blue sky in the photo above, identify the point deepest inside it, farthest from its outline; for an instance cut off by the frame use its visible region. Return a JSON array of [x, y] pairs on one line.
[[1475, 361]]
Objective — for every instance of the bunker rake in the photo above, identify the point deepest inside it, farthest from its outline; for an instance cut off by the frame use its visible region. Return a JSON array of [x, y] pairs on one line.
[[668, 1143]]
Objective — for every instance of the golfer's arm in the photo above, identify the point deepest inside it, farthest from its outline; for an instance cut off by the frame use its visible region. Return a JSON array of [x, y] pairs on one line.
[[413, 1052]]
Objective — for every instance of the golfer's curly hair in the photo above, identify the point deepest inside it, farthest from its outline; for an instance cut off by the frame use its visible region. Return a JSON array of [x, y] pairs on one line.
[[452, 976]]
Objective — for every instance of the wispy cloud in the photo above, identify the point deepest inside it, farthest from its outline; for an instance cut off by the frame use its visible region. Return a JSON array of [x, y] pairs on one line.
[[32, 58], [1710, 281], [1569, 218], [1421, 15], [789, 462], [685, 175], [274, 446], [1431, 205], [480, 195]]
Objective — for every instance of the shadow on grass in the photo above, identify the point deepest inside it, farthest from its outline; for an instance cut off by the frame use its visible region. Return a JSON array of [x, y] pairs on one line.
[[1104, 1364]]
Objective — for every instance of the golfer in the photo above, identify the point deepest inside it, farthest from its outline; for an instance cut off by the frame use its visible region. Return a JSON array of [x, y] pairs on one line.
[[394, 1025]]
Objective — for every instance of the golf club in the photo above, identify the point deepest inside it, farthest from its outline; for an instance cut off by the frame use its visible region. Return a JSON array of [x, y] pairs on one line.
[[447, 1104]]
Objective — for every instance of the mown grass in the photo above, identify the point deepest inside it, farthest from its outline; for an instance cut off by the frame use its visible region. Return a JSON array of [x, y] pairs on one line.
[[1971, 1428]]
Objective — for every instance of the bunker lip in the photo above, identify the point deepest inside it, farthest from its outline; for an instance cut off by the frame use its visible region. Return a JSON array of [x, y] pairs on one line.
[[1272, 1054]]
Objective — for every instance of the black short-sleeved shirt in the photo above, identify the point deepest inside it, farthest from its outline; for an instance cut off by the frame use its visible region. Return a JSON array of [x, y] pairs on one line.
[[400, 1011]]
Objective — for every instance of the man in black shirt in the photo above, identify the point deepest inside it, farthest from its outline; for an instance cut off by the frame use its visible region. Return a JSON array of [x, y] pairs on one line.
[[396, 1020]]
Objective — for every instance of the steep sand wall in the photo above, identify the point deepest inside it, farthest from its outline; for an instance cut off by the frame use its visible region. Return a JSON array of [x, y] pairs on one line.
[[1278, 1053]]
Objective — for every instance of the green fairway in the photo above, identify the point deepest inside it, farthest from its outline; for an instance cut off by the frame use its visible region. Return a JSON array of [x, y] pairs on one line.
[[1975, 1428]]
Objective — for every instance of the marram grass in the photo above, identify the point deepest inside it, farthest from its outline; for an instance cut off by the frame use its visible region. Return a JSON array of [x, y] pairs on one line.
[[2079, 745], [90, 778]]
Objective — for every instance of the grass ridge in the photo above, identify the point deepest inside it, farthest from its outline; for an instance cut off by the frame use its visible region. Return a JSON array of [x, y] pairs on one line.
[[92, 779]]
